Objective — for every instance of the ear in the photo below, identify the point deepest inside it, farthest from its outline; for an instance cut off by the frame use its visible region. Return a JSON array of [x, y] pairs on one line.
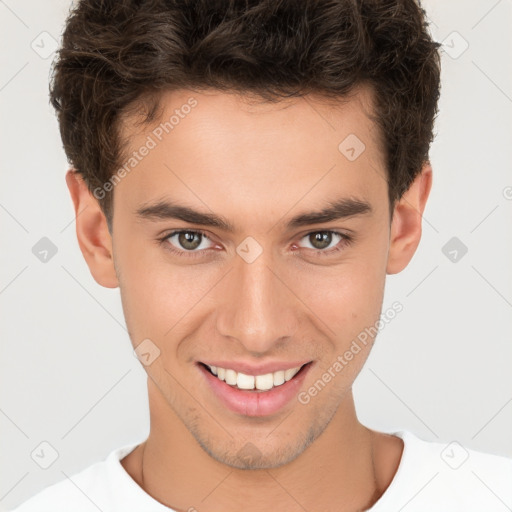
[[406, 224], [92, 232]]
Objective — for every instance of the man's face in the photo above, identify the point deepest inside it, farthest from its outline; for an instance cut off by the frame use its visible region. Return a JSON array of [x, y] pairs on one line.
[[265, 292]]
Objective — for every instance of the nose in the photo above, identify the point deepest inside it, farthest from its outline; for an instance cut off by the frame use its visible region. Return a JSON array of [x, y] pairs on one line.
[[258, 308]]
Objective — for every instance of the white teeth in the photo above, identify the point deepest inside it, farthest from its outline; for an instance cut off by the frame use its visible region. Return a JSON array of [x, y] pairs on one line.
[[230, 377], [279, 378], [288, 374], [245, 381], [265, 382], [260, 382]]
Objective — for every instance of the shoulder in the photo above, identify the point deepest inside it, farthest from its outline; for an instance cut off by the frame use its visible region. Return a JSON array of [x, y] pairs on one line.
[[435, 475], [89, 490]]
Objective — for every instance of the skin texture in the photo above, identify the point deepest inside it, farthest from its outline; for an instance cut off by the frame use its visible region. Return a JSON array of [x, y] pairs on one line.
[[257, 165]]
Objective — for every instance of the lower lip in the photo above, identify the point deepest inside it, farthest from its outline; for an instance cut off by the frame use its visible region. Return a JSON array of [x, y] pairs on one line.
[[253, 402]]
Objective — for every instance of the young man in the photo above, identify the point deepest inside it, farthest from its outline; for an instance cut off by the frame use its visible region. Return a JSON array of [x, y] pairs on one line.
[[248, 173]]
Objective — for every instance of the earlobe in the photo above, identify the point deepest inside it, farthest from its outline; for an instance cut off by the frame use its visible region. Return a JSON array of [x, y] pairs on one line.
[[406, 224], [92, 232]]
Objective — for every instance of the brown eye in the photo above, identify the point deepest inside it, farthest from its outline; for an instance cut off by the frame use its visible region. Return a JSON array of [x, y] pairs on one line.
[[320, 239], [187, 242], [325, 243], [189, 239]]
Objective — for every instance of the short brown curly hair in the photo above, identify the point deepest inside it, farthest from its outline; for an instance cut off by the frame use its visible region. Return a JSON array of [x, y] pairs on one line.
[[119, 53]]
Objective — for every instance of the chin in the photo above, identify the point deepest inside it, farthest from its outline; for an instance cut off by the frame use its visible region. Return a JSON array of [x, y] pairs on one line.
[[258, 455]]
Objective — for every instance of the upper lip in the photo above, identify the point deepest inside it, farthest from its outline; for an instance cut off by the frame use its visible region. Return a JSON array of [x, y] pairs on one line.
[[256, 369]]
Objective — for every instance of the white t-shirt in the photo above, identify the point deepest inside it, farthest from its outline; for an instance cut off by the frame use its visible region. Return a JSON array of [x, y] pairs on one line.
[[431, 477]]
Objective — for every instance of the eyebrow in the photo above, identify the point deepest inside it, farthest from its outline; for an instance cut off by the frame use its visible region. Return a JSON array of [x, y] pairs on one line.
[[335, 210]]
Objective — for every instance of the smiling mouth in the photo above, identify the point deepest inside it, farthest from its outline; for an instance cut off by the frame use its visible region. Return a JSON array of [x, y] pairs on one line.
[[254, 383]]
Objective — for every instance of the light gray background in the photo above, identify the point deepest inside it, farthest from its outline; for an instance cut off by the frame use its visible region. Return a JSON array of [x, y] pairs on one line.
[[440, 369]]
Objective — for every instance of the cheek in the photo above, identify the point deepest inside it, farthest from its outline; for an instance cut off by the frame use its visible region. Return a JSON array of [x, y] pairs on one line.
[[348, 297], [146, 292], [348, 303], [159, 297]]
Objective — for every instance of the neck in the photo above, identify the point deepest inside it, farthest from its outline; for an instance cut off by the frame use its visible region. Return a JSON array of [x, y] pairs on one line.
[[336, 472]]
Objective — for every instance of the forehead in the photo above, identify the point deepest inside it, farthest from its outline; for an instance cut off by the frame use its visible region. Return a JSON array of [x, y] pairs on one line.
[[231, 153]]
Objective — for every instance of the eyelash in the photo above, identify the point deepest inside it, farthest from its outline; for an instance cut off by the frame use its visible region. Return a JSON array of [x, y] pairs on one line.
[[345, 240]]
